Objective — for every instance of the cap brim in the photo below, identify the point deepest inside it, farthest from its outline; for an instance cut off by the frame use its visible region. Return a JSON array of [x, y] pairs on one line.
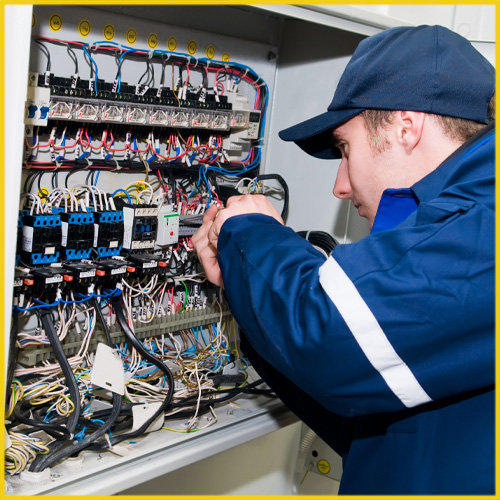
[[314, 136]]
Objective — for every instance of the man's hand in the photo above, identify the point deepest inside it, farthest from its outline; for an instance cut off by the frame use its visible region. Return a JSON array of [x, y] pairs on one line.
[[206, 238]]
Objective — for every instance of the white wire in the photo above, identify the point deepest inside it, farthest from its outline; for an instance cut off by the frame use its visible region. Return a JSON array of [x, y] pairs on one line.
[[347, 221]]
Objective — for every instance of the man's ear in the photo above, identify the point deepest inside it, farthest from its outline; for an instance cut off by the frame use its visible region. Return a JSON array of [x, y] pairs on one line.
[[409, 128]]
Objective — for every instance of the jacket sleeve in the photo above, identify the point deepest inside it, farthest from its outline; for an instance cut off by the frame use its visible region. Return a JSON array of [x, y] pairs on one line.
[[399, 319]]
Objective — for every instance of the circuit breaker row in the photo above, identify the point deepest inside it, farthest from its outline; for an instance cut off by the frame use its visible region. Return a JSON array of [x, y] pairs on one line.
[[56, 98]]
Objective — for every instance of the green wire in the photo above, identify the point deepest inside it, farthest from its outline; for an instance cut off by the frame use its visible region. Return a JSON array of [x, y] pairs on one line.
[[186, 299]]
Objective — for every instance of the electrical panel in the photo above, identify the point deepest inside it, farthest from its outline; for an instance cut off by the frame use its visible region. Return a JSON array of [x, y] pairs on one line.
[[116, 333]]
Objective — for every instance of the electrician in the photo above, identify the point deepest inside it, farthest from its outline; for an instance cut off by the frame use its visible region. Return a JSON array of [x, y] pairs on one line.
[[386, 349]]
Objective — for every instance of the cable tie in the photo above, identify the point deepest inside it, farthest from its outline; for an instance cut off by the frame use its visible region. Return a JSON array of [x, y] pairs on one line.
[[58, 164], [89, 163], [151, 54], [246, 72], [196, 62], [106, 436], [94, 46], [118, 167]]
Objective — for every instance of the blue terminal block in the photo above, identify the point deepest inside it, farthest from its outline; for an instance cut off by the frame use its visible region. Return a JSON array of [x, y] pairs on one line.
[[77, 235], [41, 238], [108, 237]]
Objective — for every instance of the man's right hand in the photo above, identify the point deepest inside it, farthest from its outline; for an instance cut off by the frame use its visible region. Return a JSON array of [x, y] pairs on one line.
[[206, 251]]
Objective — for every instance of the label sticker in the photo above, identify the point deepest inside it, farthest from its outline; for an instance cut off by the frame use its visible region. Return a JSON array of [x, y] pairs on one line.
[[55, 22], [64, 233], [153, 41], [107, 371], [27, 238], [226, 57], [323, 466], [84, 27], [54, 279], [191, 47], [172, 43], [131, 36], [210, 51], [108, 32]]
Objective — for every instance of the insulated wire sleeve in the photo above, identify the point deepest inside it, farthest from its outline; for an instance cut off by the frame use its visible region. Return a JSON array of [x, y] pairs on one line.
[[48, 325], [122, 321], [55, 430], [263, 177], [101, 319], [44, 461]]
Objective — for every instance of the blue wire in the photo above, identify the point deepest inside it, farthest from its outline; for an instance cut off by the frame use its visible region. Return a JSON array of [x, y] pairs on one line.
[[94, 63], [97, 177], [122, 191], [208, 187], [114, 293]]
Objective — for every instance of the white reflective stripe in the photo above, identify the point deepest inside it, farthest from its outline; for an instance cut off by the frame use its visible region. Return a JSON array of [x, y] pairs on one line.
[[369, 335]]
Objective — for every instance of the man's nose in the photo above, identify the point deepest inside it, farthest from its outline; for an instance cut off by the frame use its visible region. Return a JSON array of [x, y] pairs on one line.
[[342, 187]]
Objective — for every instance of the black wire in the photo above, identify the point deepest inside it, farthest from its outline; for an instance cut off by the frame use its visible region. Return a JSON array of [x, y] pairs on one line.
[[73, 56], [50, 458], [163, 66], [55, 430], [38, 180], [122, 321], [152, 79], [320, 239], [145, 73], [48, 325], [30, 178], [104, 325], [263, 177], [47, 320], [71, 172], [46, 51]]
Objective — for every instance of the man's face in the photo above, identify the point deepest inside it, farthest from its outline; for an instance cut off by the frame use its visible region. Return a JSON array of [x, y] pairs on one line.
[[365, 170]]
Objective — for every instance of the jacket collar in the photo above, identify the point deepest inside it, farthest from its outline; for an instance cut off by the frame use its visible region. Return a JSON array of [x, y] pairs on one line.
[[432, 184]]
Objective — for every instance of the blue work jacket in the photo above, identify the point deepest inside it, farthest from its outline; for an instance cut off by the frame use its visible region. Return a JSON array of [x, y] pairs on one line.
[[386, 349]]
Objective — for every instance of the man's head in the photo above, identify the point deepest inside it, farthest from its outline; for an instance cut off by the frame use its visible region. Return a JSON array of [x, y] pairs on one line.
[[407, 99], [393, 149]]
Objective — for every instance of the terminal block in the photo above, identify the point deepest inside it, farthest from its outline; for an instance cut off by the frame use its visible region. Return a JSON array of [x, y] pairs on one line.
[[46, 280], [140, 225], [41, 242], [78, 276], [110, 272], [77, 235], [189, 224], [23, 282], [108, 234], [147, 264]]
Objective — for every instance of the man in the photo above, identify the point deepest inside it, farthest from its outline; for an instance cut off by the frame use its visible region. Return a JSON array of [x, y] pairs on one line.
[[386, 349]]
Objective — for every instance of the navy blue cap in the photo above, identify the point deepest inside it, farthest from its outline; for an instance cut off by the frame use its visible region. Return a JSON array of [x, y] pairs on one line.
[[423, 68]]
